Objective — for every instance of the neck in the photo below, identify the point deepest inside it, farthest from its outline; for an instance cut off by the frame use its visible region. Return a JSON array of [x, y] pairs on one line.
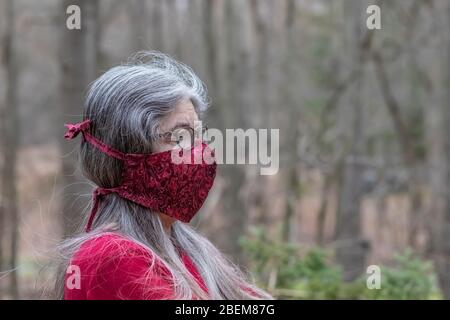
[[166, 222]]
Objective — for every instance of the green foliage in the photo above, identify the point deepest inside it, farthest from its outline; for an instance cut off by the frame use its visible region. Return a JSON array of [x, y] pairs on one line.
[[265, 255], [311, 274], [318, 278], [416, 129], [320, 50], [315, 106], [412, 279]]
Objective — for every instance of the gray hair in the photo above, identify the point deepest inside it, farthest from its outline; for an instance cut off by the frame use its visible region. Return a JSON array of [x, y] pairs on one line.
[[126, 104]]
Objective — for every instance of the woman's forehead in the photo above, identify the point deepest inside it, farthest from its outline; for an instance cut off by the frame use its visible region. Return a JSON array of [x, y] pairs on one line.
[[183, 114]]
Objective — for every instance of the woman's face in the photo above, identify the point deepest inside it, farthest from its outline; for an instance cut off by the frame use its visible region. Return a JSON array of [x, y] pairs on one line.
[[183, 115]]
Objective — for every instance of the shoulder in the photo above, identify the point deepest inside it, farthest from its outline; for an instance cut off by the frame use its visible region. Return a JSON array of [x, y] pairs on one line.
[[110, 246], [113, 254], [114, 267]]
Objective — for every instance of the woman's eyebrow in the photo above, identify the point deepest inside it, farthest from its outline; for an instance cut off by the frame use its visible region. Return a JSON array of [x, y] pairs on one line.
[[180, 125]]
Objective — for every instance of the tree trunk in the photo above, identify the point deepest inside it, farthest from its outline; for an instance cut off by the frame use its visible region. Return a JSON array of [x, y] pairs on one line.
[[406, 143], [322, 214], [438, 134], [10, 141], [234, 116], [351, 248]]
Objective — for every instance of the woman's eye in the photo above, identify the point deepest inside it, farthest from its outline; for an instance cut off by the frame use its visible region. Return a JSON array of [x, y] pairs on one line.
[[178, 139], [182, 138]]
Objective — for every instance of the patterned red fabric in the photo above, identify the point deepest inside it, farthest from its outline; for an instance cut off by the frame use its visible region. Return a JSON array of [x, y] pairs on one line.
[[112, 267], [154, 180]]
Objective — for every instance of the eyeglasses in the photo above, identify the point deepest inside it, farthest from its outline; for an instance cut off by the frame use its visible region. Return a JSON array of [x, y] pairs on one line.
[[184, 136]]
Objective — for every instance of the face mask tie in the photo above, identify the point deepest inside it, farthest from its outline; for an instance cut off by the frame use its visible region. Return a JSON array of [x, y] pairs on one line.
[[74, 129], [97, 194]]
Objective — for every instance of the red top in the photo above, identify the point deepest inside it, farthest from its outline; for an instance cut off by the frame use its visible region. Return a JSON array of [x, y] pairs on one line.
[[111, 267]]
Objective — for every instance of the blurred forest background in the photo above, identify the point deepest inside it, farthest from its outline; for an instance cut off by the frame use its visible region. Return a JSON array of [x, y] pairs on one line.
[[364, 119]]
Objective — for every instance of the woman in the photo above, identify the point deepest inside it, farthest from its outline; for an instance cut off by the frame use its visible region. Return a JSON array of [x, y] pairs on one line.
[[137, 243]]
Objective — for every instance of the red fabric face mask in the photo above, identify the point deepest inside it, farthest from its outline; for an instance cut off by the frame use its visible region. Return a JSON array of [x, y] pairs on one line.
[[154, 180]]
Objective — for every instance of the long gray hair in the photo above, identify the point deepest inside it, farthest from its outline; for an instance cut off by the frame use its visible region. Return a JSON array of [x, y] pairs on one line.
[[126, 104]]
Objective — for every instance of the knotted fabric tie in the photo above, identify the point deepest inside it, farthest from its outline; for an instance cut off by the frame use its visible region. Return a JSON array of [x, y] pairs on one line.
[[74, 129], [98, 192]]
